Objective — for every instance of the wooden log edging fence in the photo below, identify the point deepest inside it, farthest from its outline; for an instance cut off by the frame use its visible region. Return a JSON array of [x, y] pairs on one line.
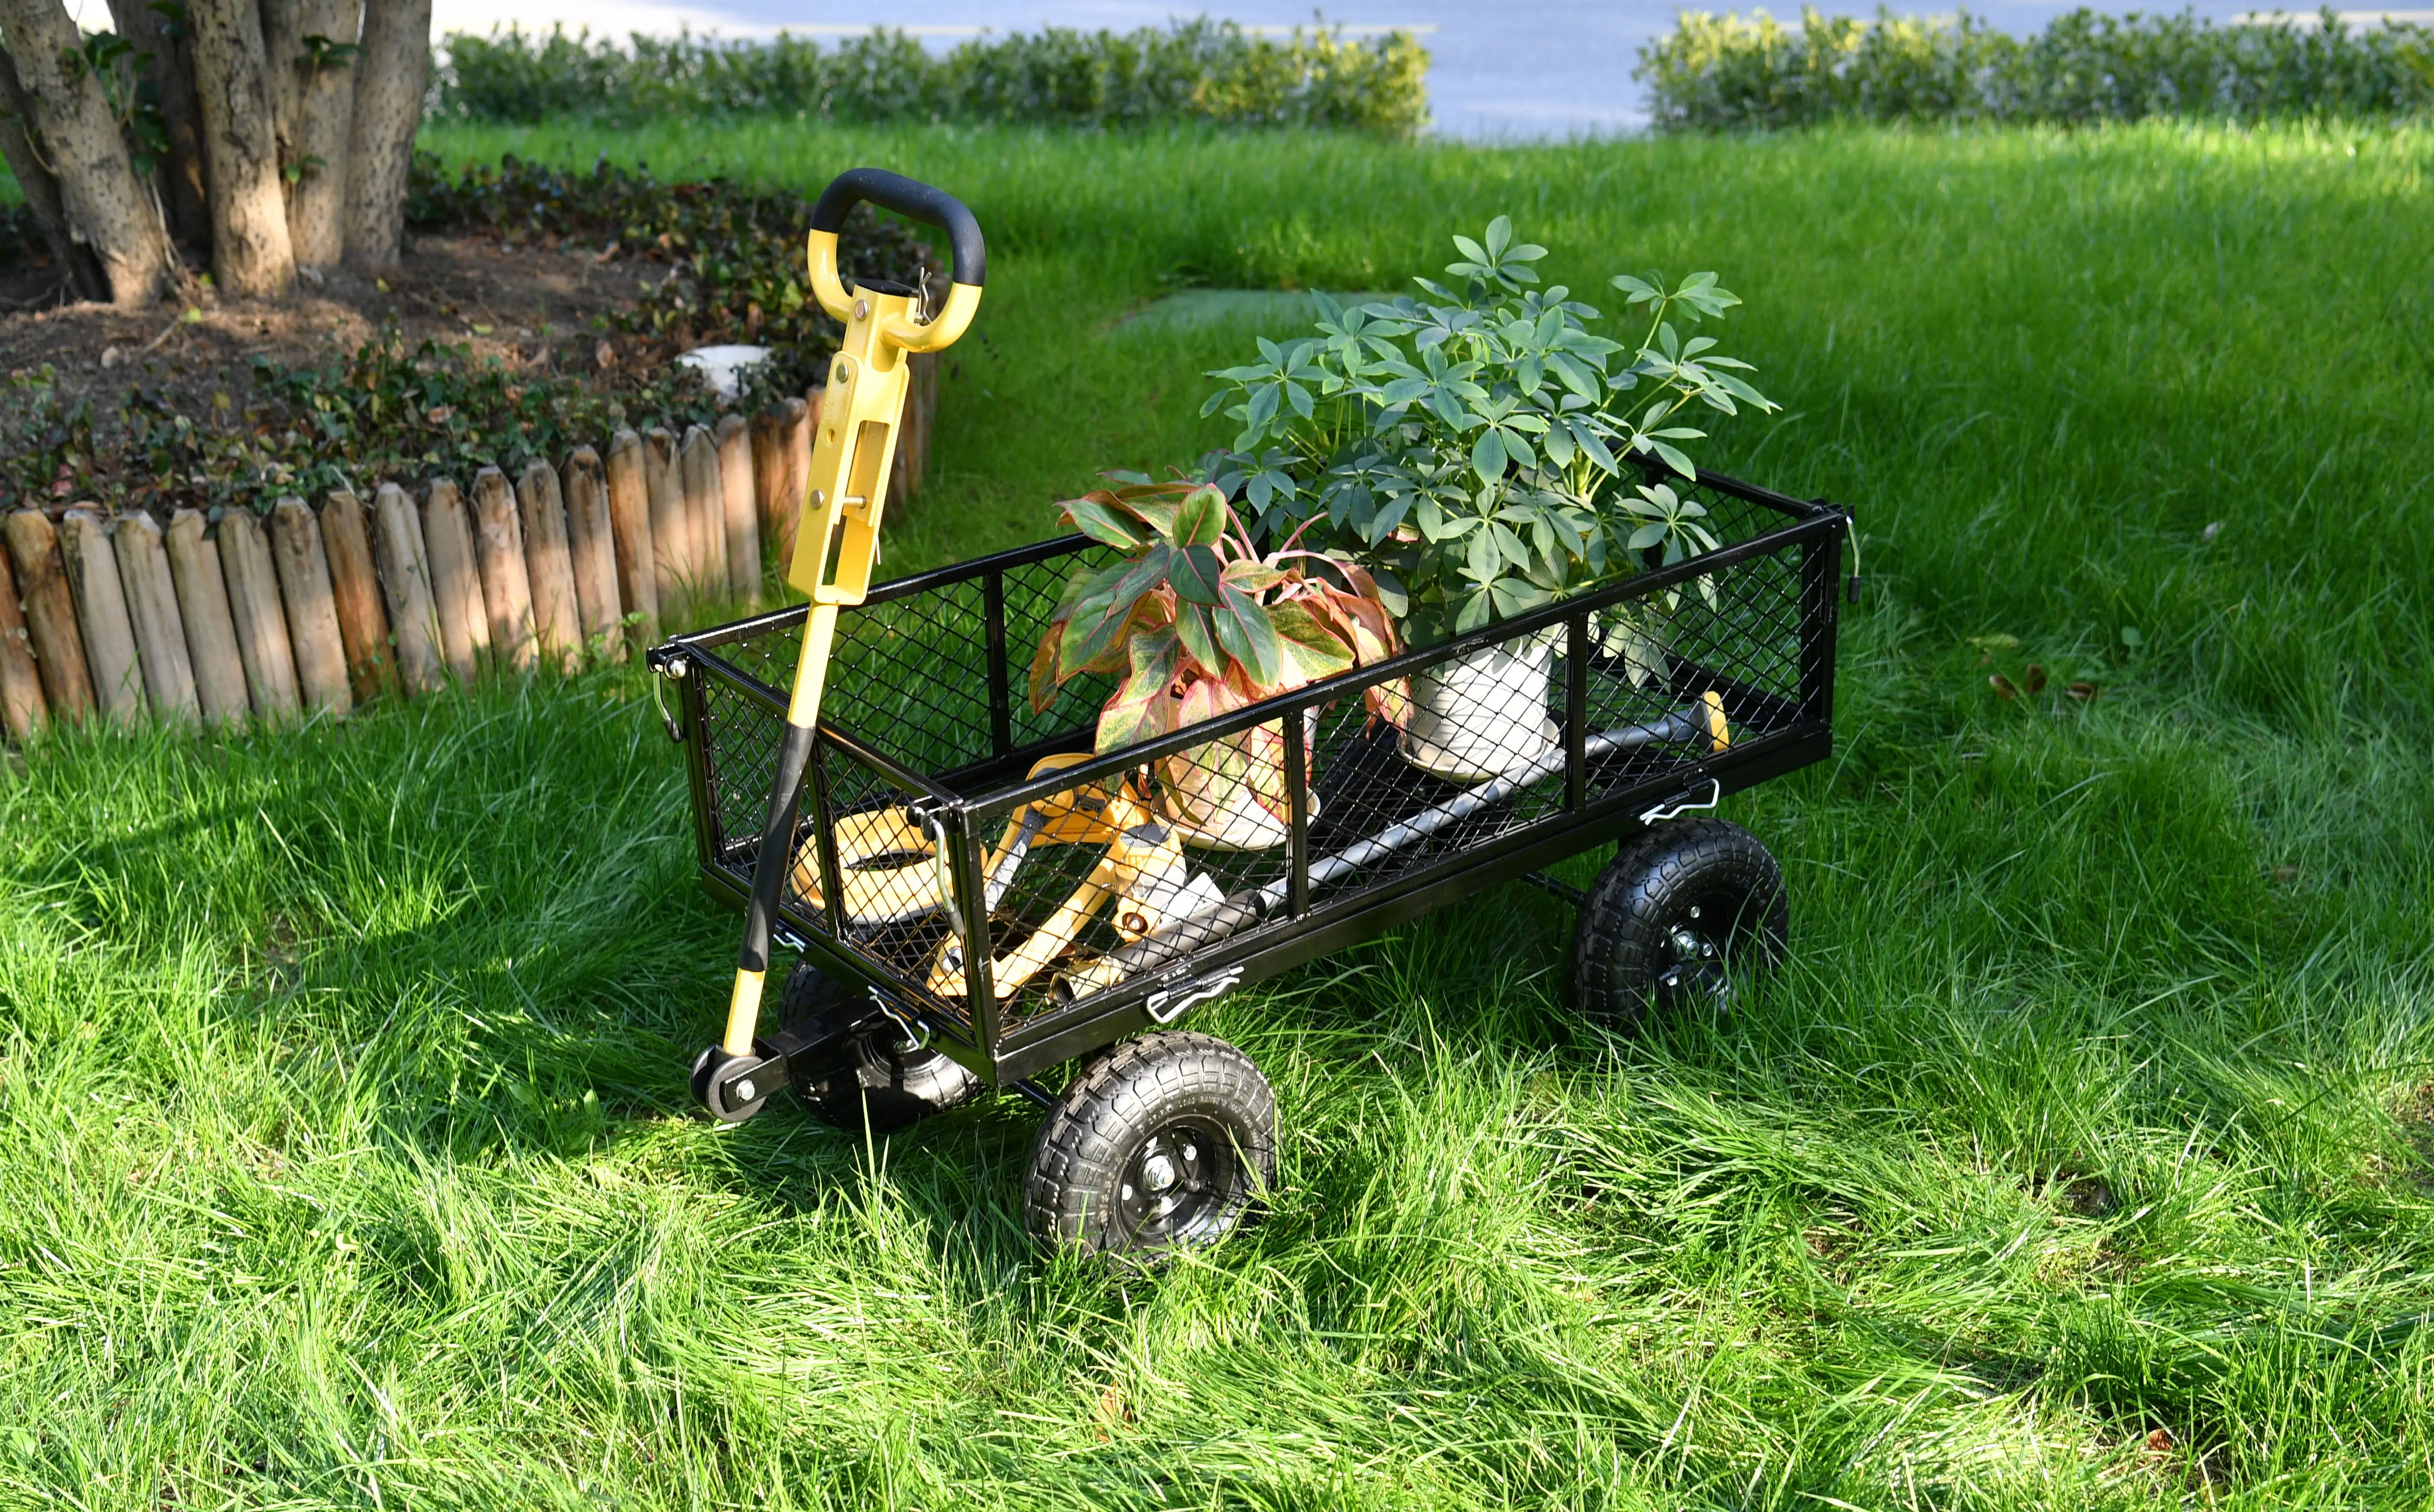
[[315, 608]]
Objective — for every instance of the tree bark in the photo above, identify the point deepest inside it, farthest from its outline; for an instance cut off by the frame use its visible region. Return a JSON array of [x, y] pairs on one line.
[[507, 587], [261, 622], [101, 612], [590, 542], [20, 686], [252, 256], [406, 579], [390, 75], [355, 583], [743, 515], [455, 581], [557, 618], [41, 189], [105, 207], [630, 523], [186, 189], [312, 631], [210, 633], [705, 507], [50, 613], [152, 612], [313, 110]]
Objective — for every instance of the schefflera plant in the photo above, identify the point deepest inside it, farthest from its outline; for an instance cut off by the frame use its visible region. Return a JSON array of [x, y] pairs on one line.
[[1468, 444], [1194, 622]]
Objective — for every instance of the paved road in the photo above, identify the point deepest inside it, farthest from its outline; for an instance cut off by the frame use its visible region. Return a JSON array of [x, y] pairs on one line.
[[1503, 69]]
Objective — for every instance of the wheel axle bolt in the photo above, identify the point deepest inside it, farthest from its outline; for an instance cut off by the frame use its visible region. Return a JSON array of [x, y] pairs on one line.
[[743, 1089]]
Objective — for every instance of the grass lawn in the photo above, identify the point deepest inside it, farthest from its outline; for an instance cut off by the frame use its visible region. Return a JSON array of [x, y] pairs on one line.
[[2082, 1157]]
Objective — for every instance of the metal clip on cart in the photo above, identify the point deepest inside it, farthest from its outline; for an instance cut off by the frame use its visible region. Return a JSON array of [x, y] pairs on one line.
[[974, 898]]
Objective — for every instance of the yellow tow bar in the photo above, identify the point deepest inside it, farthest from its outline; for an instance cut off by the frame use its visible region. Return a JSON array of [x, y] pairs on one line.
[[853, 452]]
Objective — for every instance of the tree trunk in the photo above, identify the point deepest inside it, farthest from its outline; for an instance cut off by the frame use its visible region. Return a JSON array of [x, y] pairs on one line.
[[312, 108], [105, 207], [390, 75], [252, 256], [43, 190], [186, 189]]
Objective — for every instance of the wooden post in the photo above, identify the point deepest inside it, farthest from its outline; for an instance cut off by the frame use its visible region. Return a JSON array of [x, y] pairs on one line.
[[769, 483], [592, 547], [312, 607], [405, 582], [556, 620], [705, 508], [101, 611], [261, 624], [674, 572], [50, 614], [800, 419], [211, 634], [152, 613], [629, 518], [499, 541], [355, 586], [913, 437], [743, 533], [455, 582], [20, 686]]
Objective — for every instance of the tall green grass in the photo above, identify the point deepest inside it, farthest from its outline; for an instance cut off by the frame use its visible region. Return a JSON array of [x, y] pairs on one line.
[[2080, 1158]]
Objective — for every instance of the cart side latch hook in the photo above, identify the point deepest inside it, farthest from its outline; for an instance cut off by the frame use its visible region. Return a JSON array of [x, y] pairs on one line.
[[1676, 808], [672, 667], [1167, 1006]]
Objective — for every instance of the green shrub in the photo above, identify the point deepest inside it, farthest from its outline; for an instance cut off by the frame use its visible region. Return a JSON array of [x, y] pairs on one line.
[[1192, 71], [1717, 73]]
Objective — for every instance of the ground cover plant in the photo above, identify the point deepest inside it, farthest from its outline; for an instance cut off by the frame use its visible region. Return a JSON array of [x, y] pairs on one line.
[[2080, 1156], [1731, 72], [382, 377]]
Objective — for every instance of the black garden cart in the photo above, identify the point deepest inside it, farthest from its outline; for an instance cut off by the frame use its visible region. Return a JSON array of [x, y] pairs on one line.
[[975, 898]]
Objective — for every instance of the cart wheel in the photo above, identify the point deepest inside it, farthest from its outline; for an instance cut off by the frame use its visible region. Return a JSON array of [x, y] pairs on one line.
[[1672, 915], [884, 1083], [889, 1085], [1168, 1142]]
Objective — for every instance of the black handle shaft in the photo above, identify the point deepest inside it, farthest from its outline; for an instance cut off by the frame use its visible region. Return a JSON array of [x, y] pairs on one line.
[[909, 197]]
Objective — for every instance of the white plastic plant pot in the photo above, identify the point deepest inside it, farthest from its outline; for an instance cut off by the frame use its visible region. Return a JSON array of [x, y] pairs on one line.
[[1482, 715], [724, 367], [1229, 794]]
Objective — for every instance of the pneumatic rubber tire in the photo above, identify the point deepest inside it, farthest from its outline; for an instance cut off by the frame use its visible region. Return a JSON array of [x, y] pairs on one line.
[[885, 1084], [1682, 910], [1167, 1143], [890, 1086]]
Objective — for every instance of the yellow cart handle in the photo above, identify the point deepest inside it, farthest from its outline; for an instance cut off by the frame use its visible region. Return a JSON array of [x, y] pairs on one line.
[[836, 539]]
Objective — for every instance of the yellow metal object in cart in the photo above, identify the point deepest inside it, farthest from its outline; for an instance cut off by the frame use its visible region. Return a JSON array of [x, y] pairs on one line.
[[1142, 869], [853, 450]]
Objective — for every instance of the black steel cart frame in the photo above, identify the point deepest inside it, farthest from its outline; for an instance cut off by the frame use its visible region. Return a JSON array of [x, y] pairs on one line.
[[1782, 718]]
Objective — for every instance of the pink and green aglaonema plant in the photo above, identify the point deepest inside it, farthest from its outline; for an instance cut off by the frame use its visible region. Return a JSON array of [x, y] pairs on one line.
[[1194, 622]]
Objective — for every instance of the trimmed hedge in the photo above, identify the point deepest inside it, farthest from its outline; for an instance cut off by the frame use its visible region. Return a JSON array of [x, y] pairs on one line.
[[1192, 71], [1722, 72]]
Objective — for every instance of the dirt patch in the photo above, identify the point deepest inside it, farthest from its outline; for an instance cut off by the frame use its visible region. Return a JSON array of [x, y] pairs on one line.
[[532, 307]]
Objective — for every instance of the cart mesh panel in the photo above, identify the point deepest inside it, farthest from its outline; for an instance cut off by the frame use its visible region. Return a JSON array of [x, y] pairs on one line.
[[931, 719]]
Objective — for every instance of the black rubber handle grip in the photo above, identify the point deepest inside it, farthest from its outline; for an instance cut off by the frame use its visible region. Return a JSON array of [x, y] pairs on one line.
[[931, 207]]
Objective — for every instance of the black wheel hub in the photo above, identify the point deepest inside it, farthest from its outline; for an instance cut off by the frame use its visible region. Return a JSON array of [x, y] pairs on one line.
[[1693, 972], [1177, 1184]]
